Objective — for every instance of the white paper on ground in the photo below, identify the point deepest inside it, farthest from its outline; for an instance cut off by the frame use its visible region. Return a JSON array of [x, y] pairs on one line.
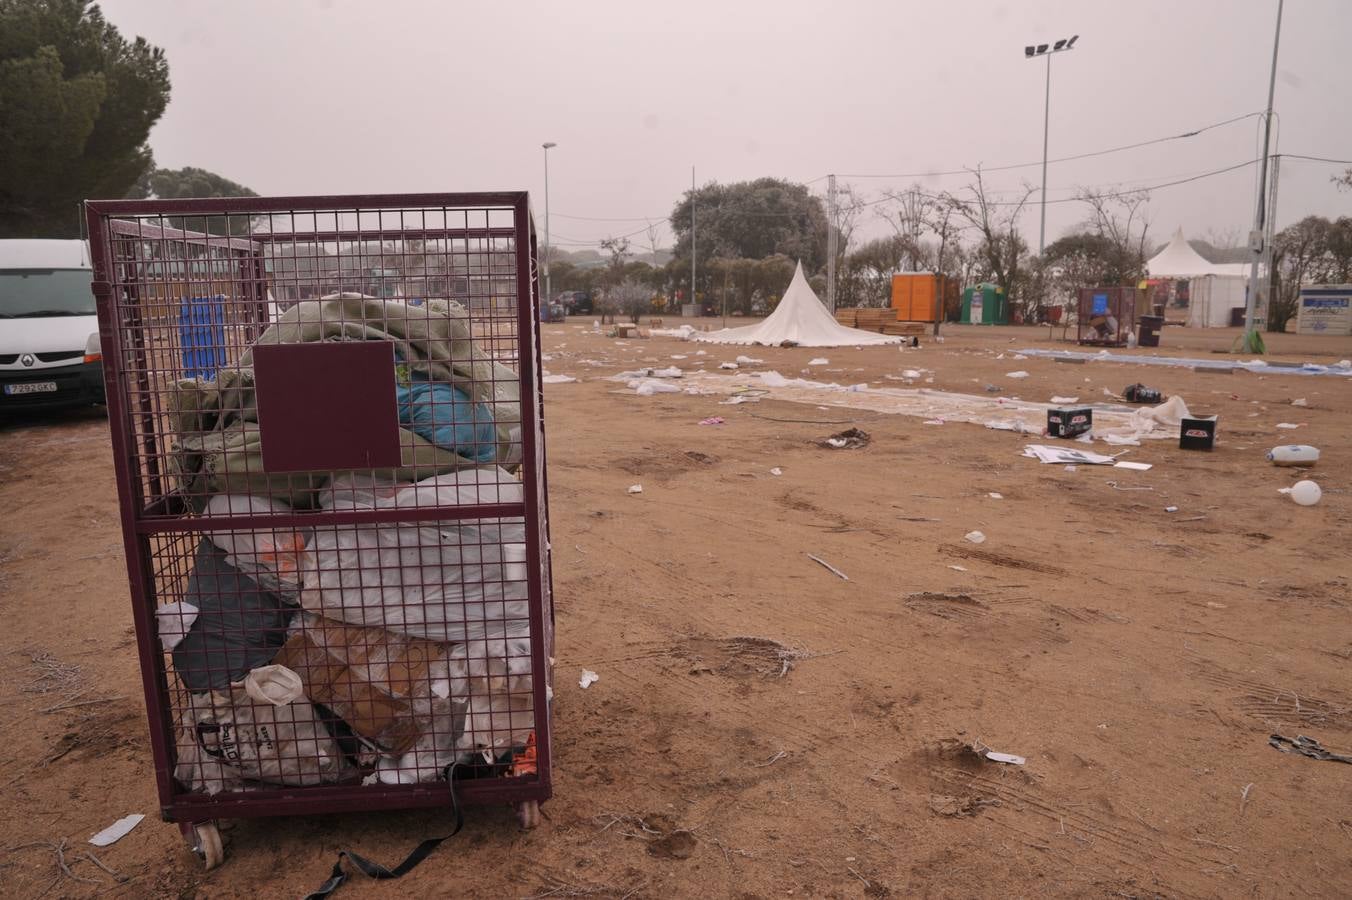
[[748, 361], [1066, 455], [117, 831], [1287, 425], [635, 488], [1018, 374], [588, 679], [558, 379], [172, 621], [1065, 400], [975, 537], [1005, 758], [818, 361], [728, 365], [776, 471], [1138, 467]]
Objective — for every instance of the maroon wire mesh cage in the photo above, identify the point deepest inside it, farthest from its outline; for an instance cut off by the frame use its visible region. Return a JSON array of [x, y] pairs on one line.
[[329, 445]]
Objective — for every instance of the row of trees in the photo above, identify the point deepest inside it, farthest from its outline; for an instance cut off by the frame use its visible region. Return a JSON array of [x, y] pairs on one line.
[[1314, 250], [750, 234]]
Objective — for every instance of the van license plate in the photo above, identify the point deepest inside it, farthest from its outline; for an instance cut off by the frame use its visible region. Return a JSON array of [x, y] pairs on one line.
[[32, 387]]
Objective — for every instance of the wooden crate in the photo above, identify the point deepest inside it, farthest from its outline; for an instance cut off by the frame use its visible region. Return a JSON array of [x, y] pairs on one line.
[[847, 316]]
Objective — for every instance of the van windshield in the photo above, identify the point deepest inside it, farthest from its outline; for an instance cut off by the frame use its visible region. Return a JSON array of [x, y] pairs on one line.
[[29, 293]]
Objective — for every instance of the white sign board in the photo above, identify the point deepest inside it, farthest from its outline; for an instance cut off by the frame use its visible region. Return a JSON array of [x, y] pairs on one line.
[[1325, 310]]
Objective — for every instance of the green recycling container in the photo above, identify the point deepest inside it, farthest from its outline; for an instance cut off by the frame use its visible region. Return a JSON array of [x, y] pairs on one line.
[[984, 304]]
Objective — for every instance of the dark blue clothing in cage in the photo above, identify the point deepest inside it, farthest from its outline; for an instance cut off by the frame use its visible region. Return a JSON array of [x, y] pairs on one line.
[[201, 330], [447, 417]]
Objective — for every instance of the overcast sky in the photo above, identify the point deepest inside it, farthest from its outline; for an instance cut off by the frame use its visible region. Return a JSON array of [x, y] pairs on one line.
[[339, 96]]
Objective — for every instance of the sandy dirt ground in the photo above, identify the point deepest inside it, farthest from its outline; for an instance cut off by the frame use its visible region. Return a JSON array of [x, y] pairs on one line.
[[1139, 659]]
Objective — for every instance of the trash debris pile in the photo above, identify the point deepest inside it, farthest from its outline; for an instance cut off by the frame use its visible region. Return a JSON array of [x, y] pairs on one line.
[[382, 650]]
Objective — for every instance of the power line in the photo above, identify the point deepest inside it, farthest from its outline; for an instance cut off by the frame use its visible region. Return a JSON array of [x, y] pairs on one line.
[[1323, 159], [1161, 140]]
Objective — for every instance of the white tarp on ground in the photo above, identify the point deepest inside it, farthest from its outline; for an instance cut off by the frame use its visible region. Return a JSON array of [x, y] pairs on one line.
[[1211, 297], [1113, 423], [802, 319]]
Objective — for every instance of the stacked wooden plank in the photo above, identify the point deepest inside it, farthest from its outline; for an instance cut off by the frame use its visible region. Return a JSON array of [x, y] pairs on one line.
[[873, 319], [907, 329], [846, 316]]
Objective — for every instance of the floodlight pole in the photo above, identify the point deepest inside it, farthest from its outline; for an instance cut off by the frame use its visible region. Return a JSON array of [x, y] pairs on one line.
[[1252, 342], [693, 299], [548, 288], [1032, 52]]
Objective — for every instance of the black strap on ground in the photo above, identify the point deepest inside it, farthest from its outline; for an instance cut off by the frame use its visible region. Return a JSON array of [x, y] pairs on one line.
[[374, 869]]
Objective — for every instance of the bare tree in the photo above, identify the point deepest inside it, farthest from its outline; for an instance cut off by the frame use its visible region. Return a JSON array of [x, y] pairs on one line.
[[1001, 248], [910, 218], [1122, 221], [631, 298], [653, 230], [1223, 238]]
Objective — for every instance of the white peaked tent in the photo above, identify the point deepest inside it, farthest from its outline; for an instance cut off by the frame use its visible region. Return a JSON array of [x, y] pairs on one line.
[[1179, 260], [801, 318], [1213, 288]]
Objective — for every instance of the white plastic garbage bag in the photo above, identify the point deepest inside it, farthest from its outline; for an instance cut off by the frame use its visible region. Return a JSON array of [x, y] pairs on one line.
[[455, 580], [226, 739]]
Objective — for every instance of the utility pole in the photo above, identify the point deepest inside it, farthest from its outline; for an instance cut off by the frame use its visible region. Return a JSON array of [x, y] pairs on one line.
[[832, 239], [693, 299], [548, 288], [1252, 341]]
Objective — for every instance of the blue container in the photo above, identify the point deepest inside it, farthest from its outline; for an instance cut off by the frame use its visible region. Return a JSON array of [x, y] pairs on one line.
[[201, 333]]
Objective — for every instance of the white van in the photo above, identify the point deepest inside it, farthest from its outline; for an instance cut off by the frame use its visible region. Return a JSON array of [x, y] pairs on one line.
[[49, 334]]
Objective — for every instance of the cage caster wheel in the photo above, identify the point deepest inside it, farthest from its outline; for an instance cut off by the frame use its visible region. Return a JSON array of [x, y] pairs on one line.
[[528, 814], [205, 840]]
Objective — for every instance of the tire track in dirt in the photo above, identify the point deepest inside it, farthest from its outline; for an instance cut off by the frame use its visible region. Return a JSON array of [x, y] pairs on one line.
[[1270, 703]]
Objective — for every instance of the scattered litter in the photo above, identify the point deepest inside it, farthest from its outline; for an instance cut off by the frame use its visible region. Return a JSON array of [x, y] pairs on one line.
[[1072, 468], [993, 388], [172, 621], [1139, 393], [1171, 509], [1066, 455], [1306, 493], [776, 471], [818, 361], [748, 361], [1306, 746], [701, 352], [958, 568], [1299, 401], [646, 387], [849, 439], [1008, 758], [1135, 487], [274, 684], [678, 356], [117, 831], [1019, 374], [712, 420], [635, 488], [975, 537], [1287, 425], [934, 422], [588, 679], [1018, 356], [833, 569], [1067, 399], [1134, 466], [911, 373], [558, 379], [1293, 455], [995, 496], [728, 365]]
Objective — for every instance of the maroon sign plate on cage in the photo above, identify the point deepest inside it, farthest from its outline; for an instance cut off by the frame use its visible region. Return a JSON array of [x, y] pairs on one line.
[[329, 445], [327, 406]]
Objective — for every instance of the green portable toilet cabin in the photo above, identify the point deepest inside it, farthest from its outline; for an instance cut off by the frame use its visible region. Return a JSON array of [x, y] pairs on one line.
[[984, 304]]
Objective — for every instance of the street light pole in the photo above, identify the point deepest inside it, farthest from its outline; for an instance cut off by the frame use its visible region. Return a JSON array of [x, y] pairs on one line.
[[549, 294], [1032, 52]]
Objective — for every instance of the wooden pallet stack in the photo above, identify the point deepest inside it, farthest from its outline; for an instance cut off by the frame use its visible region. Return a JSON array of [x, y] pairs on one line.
[[847, 316], [906, 329], [873, 319]]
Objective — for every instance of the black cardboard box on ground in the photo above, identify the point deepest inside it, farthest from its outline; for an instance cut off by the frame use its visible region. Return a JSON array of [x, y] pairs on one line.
[[1197, 433], [1069, 422]]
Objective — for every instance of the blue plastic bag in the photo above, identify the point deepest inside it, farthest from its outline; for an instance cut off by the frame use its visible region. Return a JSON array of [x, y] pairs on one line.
[[447, 417]]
